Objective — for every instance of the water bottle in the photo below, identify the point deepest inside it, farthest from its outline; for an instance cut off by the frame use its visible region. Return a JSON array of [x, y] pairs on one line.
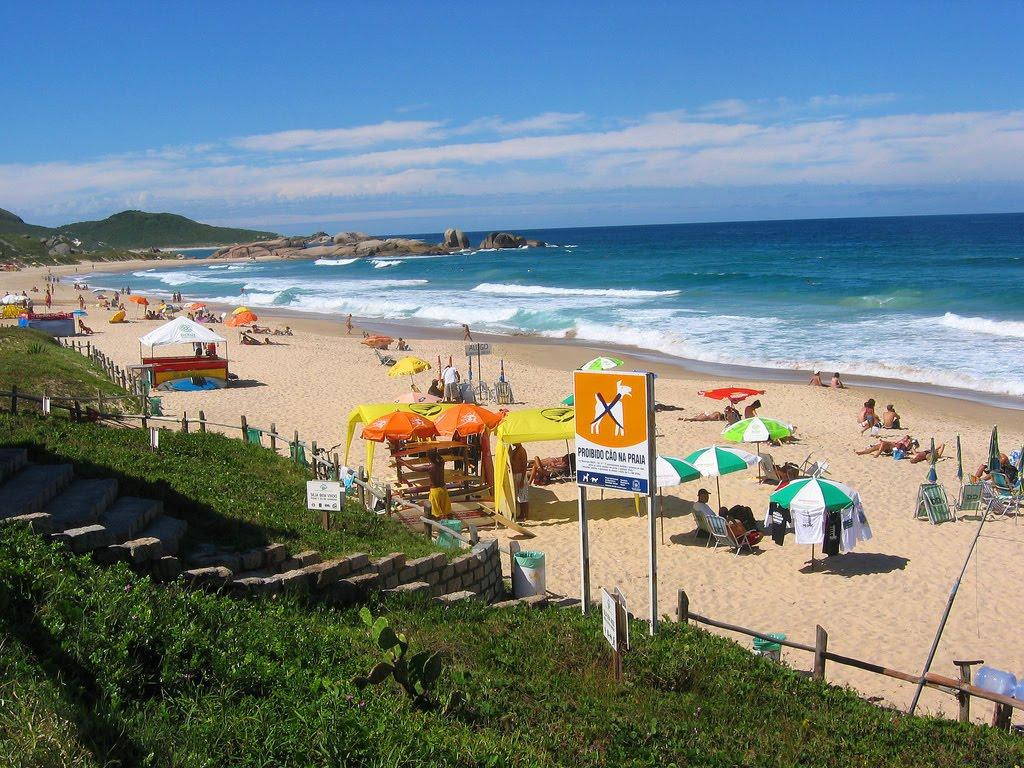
[[997, 681]]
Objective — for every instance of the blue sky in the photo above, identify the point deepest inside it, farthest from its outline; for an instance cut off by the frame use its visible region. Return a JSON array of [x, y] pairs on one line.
[[398, 117]]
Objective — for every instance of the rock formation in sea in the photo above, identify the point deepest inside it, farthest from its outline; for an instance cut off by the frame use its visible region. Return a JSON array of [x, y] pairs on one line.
[[455, 239], [508, 240]]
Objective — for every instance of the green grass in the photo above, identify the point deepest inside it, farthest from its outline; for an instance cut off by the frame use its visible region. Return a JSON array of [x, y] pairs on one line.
[[231, 493], [28, 251], [143, 675], [36, 364], [139, 229]]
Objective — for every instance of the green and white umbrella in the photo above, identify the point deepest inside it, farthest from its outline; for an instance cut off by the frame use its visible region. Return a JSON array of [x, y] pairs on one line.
[[813, 494], [757, 429], [717, 461], [673, 471], [602, 364]]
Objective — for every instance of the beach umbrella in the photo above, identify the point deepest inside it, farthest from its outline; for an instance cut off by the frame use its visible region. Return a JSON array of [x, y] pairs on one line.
[[417, 397], [99, 290], [813, 494], [932, 476], [601, 364], [672, 471], [467, 419], [196, 305], [239, 310], [399, 425], [13, 298], [959, 462], [142, 301], [570, 400], [80, 313], [716, 461], [242, 318], [757, 429], [407, 366], [993, 450], [733, 394]]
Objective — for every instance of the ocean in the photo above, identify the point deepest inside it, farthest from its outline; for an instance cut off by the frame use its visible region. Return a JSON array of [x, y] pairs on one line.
[[933, 299]]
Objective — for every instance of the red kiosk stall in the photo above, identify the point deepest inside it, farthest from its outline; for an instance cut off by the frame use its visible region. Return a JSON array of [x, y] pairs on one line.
[[205, 368]]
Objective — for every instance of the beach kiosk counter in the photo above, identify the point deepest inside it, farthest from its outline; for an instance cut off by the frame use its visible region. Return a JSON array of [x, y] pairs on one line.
[[185, 372]]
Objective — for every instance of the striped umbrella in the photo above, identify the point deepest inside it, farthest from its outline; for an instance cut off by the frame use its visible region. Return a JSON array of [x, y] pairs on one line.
[[716, 461], [601, 364], [959, 462], [813, 494], [932, 476], [672, 471]]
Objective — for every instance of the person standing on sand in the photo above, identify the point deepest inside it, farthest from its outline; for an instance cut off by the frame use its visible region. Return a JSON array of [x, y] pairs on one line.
[[450, 376], [49, 299], [81, 302], [466, 335], [348, 323], [440, 502]]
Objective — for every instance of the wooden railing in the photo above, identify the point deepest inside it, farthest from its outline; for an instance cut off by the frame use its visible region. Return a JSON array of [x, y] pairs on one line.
[[960, 688]]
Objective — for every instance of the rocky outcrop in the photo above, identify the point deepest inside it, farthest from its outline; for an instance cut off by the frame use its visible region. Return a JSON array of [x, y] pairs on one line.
[[60, 249], [455, 240], [509, 240]]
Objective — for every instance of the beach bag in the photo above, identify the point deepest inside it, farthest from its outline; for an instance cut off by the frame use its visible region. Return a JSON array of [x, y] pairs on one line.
[[898, 454]]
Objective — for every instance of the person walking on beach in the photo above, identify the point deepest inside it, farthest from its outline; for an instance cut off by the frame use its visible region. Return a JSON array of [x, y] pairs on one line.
[[440, 502], [348, 323], [450, 376], [81, 302], [466, 335]]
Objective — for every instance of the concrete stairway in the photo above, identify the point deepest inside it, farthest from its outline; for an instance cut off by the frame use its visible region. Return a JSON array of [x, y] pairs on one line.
[[89, 516]]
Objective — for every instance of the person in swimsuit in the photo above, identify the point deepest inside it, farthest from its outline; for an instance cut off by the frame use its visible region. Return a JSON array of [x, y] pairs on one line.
[[836, 383], [440, 502], [890, 419], [868, 418], [751, 410], [816, 379], [886, 447]]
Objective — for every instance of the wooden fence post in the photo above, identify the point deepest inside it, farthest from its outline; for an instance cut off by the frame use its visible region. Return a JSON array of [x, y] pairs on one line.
[[99, 400], [682, 607], [88, 348], [202, 421], [820, 646], [184, 422], [14, 399], [273, 437], [387, 498], [1001, 715], [337, 468], [316, 464], [962, 696], [245, 428], [362, 489]]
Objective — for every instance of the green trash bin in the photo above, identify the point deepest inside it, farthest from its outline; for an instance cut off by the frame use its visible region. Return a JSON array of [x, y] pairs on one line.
[[445, 539], [528, 574], [769, 648]]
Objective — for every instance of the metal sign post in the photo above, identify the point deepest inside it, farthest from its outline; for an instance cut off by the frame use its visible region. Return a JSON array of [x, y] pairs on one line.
[[616, 448], [478, 349]]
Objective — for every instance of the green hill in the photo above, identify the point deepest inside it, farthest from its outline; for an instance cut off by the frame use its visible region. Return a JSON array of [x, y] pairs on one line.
[[138, 229]]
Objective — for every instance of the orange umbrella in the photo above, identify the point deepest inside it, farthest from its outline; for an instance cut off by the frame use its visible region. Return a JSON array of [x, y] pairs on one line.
[[377, 342], [139, 300], [467, 419], [399, 425], [196, 305], [242, 318]]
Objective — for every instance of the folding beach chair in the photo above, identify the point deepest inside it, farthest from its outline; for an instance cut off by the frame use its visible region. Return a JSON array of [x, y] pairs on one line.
[[503, 393], [971, 497], [813, 468], [387, 360], [773, 473], [933, 504], [1002, 497], [702, 523], [721, 534]]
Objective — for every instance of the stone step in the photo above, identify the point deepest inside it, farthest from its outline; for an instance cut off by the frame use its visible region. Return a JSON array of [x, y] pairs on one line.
[[12, 460], [157, 542], [129, 515], [81, 503], [32, 488]]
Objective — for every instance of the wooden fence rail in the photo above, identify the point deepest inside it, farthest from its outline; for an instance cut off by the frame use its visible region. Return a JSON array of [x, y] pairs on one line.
[[961, 688]]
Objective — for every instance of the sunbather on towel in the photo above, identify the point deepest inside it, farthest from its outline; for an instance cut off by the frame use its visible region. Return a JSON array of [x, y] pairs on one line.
[[926, 454], [886, 447], [712, 416]]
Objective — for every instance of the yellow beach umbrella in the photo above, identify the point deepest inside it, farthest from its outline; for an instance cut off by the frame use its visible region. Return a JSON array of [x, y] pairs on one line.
[[236, 310], [407, 366]]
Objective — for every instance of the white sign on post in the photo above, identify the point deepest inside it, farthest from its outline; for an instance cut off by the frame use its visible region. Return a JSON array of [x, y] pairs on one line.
[[610, 619], [622, 606], [324, 494]]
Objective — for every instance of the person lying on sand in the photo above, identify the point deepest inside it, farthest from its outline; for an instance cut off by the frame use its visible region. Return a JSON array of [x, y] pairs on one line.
[[886, 447], [926, 454], [245, 338], [730, 414]]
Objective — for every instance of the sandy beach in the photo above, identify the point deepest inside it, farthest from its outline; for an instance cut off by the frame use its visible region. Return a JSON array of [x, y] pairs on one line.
[[881, 603]]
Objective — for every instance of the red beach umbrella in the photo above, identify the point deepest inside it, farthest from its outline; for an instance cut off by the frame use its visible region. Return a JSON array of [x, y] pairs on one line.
[[733, 394]]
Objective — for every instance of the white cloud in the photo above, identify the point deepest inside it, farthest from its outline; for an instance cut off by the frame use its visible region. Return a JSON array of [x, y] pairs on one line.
[[322, 140], [663, 151]]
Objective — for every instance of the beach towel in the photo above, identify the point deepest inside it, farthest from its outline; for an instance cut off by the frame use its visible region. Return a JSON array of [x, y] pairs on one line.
[[440, 503]]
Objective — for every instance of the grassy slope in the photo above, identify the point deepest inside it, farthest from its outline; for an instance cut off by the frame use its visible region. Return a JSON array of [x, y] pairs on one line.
[[37, 364], [138, 229], [161, 676]]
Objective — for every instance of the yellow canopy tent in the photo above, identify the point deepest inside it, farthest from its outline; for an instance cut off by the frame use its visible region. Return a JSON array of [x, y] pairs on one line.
[[531, 425], [367, 412]]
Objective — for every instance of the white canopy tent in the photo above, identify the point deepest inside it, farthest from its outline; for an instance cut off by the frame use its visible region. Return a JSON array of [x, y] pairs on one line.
[[180, 330], [13, 298]]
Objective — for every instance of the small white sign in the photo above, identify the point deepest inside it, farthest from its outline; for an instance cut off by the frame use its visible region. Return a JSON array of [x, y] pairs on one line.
[[610, 618], [46, 404], [154, 438], [625, 613], [324, 494]]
